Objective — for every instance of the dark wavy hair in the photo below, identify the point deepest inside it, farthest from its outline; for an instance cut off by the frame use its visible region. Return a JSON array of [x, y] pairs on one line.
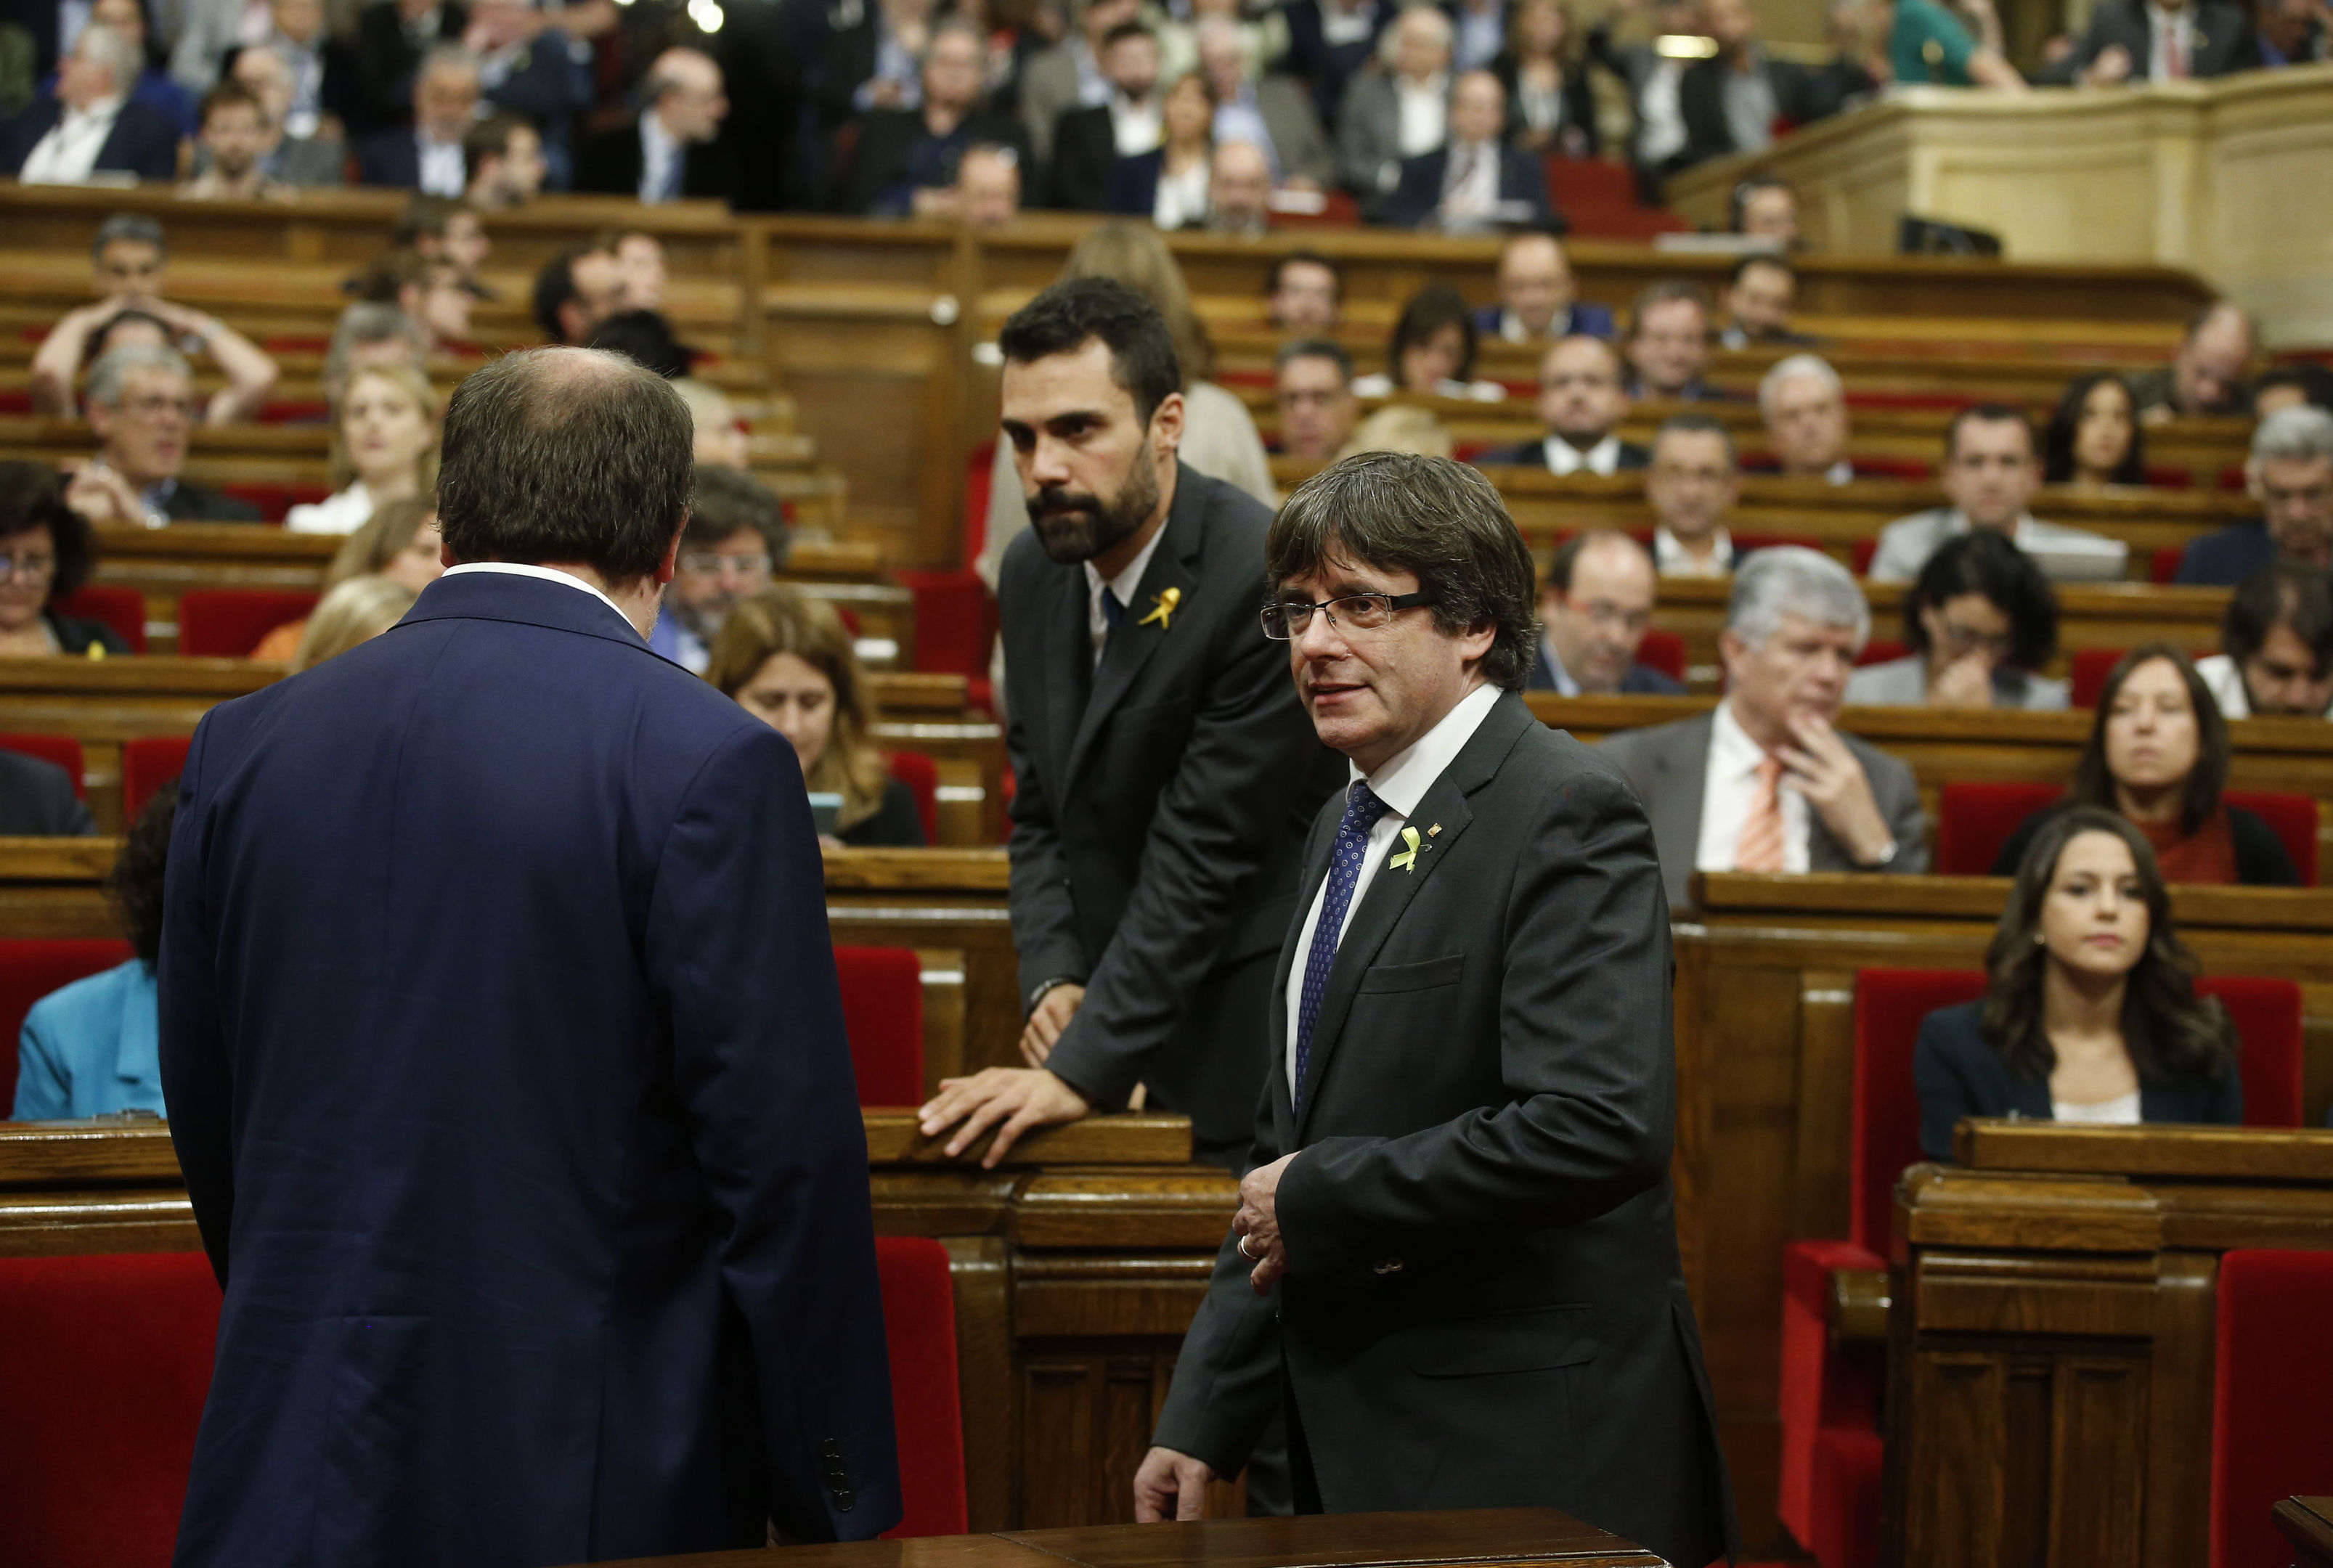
[[2094, 782], [135, 884], [33, 495], [1431, 308], [1982, 562], [2058, 440], [2170, 1032]]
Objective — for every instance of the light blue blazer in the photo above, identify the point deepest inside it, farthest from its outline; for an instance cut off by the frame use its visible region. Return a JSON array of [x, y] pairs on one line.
[[90, 1049]]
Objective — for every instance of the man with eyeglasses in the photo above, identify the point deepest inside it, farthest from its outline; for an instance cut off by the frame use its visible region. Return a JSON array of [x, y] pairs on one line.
[[142, 407], [1582, 405], [1461, 1161], [2291, 475], [1595, 607], [1991, 471], [734, 540]]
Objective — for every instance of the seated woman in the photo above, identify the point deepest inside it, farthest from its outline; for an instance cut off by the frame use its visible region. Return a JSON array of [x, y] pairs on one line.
[[49, 552], [1168, 184], [789, 662], [2091, 1014], [384, 448], [357, 611], [399, 542], [1980, 621], [90, 1048], [1550, 105], [1432, 353], [2093, 440], [2158, 755]]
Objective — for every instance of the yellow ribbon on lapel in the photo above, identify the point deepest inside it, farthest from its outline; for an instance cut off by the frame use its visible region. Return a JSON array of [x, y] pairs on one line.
[[1162, 610], [1407, 859]]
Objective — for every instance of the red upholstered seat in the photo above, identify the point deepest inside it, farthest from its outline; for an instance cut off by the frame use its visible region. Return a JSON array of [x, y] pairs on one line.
[[2163, 566], [275, 500], [30, 969], [148, 763], [59, 750], [883, 1009], [1880, 651], [104, 1361], [920, 774], [1663, 651], [1860, 555], [955, 626], [124, 609], [1974, 820], [919, 1326], [2269, 1436], [229, 623], [1747, 542]]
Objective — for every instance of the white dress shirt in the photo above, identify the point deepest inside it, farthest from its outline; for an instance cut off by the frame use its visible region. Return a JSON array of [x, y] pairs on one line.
[[1339, 25], [346, 513], [2122, 1111], [440, 162], [660, 156], [1182, 199], [2166, 30], [1424, 113], [1123, 585], [543, 574], [1471, 182], [1401, 784], [1138, 127], [1660, 113], [1671, 558], [1563, 457], [1728, 788], [68, 154]]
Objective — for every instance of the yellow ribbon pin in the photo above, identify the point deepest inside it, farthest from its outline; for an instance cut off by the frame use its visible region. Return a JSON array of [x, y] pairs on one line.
[[1407, 859], [1162, 610]]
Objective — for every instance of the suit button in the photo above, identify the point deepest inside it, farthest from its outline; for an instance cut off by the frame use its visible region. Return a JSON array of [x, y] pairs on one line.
[[1386, 1266], [842, 1500]]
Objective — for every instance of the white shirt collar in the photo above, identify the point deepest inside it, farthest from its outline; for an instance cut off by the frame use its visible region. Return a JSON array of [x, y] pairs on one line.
[[659, 149], [1402, 782], [1603, 458], [543, 574], [1732, 753], [1123, 585], [1670, 557]]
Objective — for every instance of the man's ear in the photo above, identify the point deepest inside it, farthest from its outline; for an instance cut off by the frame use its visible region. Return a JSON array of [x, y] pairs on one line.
[[100, 425], [1167, 424], [671, 562]]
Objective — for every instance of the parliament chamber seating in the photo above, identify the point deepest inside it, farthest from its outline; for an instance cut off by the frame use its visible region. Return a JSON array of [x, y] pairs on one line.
[[148, 763], [60, 750], [229, 623], [921, 775], [1832, 1457], [124, 609], [30, 969], [1974, 820], [2273, 1386], [920, 1330], [1663, 651], [883, 1010]]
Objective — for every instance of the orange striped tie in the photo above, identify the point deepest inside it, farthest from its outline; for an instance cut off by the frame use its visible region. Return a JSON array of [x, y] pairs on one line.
[[1761, 844]]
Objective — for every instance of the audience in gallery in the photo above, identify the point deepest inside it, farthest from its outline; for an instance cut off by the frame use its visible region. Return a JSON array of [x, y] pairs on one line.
[[1991, 472], [384, 448], [1763, 206], [46, 554], [1304, 293], [1070, 74], [398, 541], [2289, 472], [425, 154], [1713, 785], [444, 228], [2276, 644], [987, 192], [353, 612], [2090, 1013], [1550, 107], [2158, 756], [2207, 375], [1431, 353], [788, 660], [2148, 40], [1089, 140], [1479, 31], [867, 60], [1653, 80], [1667, 345], [1313, 386], [88, 124], [1691, 481], [1849, 79], [233, 145], [393, 38], [904, 162], [1539, 299], [502, 165], [91, 1048], [314, 159], [529, 66], [429, 290], [1169, 182], [721, 438], [1595, 606], [1273, 111], [1923, 41], [2290, 33], [326, 87], [645, 337], [1981, 623], [2307, 384], [1581, 405], [370, 336], [1474, 182], [1803, 403], [671, 150], [1759, 298], [735, 539], [1329, 42], [155, 88], [577, 290], [1258, 38], [142, 408], [1399, 110], [127, 261], [1731, 100], [1239, 190], [2094, 441]]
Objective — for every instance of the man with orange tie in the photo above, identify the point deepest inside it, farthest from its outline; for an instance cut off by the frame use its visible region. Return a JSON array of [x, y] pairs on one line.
[[1764, 782]]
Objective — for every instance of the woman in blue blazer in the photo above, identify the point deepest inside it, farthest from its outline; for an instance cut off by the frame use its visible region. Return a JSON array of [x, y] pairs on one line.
[[90, 1049], [2091, 1015]]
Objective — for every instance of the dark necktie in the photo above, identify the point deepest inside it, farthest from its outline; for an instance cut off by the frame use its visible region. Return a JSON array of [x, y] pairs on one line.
[[1112, 612], [1362, 809]]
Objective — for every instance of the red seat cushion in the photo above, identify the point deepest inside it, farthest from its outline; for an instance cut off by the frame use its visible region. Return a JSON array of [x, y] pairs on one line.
[[956, 622], [57, 751], [2163, 566], [919, 1327], [275, 500], [1663, 651], [121, 608], [883, 1009], [30, 969], [104, 1361], [148, 763], [921, 775], [2267, 1016], [1974, 820], [229, 623], [1861, 554], [2294, 820], [1880, 651], [2273, 1385]]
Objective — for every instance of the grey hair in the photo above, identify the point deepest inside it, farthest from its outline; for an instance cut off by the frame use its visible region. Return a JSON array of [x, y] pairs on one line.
[[447, 56], [110, 375], [1813, 366], [117, 54], [132, 228], [367, 322], [2294, 435], [1389, 41], [1789, 579]]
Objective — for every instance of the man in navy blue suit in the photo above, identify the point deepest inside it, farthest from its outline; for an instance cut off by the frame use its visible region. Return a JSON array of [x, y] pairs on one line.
[[506, 1062], [2290, 473], [1539, 300], [1474, 182], [90, 123]]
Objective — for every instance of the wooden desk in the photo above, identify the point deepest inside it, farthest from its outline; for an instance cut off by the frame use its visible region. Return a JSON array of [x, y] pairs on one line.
[[1481, 1538], [2051, 1358], [2308, 1523]]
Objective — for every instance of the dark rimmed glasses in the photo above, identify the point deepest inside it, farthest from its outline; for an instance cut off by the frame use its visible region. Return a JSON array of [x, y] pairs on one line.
[[1285, 619]]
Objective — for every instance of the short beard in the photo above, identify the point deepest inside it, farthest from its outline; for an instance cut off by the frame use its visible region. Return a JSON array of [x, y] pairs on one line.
[[1075, 528]]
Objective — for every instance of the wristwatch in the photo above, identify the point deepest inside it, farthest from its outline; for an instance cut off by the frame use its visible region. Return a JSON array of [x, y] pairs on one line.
[[1038, 995]]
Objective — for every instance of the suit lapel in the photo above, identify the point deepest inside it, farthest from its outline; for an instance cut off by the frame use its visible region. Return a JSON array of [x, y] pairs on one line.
[[1068, 675], [1140, 634], [1687, 765]]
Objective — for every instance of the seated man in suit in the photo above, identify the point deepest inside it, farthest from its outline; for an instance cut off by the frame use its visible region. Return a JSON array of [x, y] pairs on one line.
[[905, 161], [2276, 644], [670, 151], [1595, 606], [502, 161], [1581, 404], [1069, 74], [2290, 473], [1804, 404], [1765, 783], [1399, 110], [2290, 33], [1305, 293], [234, 138], [90, 123], [319, 158], [1992, 469], [2159, 41], [392, 39], [988, 186], [1692, 482], [141, 405], [527, 62], [1668, 343], [1731, 100], [1312, 381], [1538, 298], [1275, 112], [1090, 139], [1239, 190], [1474, 183], [426, 156], [2208, 374], [1759, 299]]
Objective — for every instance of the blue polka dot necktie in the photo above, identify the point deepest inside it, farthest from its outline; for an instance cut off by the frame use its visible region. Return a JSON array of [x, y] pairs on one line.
[[1362, 809]]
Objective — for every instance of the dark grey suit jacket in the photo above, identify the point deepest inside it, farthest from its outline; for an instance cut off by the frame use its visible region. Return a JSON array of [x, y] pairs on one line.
[[1484, 1307], [1669, 764], [2224, 41], [1158, 824]]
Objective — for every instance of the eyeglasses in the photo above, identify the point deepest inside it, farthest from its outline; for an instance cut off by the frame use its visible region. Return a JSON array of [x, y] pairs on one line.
[[1962, 640], [30, 567], [710, 563], [1286, 619], [152, 402]]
